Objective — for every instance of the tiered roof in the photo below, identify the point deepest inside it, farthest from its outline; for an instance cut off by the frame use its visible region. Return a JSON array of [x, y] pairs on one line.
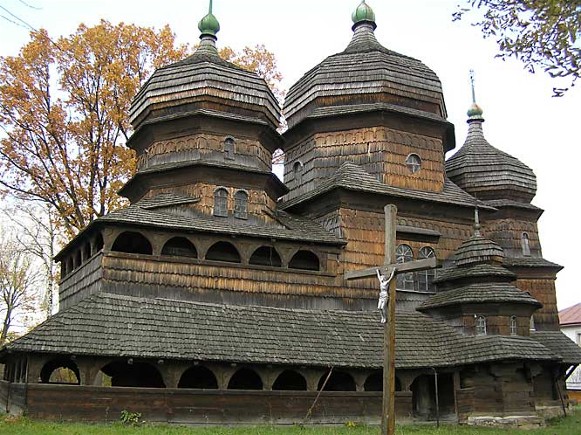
[[365, 76], [486, 172]]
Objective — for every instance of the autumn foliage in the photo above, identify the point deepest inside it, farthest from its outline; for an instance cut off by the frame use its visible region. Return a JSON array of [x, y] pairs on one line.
[[63, 113], [63, 108]]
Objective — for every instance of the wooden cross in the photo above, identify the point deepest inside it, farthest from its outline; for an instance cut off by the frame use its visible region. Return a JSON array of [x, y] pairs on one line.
[[389, 266]]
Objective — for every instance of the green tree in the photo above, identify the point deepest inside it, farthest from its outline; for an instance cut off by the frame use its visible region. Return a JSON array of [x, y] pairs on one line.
[[543, 34]]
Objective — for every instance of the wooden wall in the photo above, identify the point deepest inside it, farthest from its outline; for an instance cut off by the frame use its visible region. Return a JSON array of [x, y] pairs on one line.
[[84, 281], [84, 403]]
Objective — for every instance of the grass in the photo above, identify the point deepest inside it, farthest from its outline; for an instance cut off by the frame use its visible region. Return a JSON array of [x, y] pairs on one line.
[[570, 425]]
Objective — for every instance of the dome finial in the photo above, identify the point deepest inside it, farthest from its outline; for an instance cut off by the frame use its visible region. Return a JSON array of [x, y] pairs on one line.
[[363, 14], [209, 25], [474, 112]]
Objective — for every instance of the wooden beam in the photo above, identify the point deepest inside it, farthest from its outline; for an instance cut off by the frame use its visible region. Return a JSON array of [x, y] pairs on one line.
[[410, 266]]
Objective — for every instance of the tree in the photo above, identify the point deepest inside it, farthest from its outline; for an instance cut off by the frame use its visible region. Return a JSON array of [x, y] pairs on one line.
[[259, 60], [17, 284], [542, 34], [36, 233], [63, 112]]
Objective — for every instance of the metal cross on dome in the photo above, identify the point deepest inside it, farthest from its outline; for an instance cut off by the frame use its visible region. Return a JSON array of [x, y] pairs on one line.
[[389, 269]]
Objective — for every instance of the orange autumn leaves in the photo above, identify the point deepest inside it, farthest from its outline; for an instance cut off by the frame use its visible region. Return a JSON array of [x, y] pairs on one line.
[[63, 113]]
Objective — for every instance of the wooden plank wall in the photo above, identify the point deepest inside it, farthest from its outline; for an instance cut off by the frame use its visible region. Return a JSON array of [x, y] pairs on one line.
[[82, 282], [87, 403]]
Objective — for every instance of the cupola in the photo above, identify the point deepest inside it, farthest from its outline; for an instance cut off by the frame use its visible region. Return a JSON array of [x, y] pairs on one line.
[[486, 172], [366, 76]]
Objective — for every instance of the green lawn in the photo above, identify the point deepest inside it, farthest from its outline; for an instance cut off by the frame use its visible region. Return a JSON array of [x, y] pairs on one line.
[[22, 426]]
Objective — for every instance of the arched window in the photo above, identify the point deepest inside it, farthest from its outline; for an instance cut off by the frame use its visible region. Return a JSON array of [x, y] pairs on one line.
[[513, 325], [403, 254], [425, 278], [223, 251], [480, 325], [179, 247], [266, 256], [241, 205], [221, 202], [414, 163], [298, 172], [526, 249], [132, 242], [229, 148], [245, 379], [290, 380], [338, 381], [198, 377], [304, 260], [374, 382]]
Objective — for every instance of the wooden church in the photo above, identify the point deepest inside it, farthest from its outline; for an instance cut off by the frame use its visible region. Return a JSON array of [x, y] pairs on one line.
[[219, 295]]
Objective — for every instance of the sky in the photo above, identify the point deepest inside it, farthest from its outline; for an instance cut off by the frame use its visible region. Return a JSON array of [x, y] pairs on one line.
[[522, 117]]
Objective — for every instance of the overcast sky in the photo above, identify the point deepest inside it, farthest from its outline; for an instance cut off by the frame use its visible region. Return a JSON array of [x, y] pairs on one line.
[[522, 118]]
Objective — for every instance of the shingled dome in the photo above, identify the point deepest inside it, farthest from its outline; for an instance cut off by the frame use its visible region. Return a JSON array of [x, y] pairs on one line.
[[204, 83], [486, 172], [365, 74]]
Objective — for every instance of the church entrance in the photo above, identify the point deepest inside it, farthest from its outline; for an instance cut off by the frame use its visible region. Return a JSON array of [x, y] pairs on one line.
[[425, 406]]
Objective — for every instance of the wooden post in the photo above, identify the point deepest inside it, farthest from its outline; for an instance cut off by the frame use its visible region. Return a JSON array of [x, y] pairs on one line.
[[388, 414]]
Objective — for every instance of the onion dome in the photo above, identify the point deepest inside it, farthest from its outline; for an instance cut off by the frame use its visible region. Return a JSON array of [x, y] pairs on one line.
[[204, 83], [486, 172], [365, 76]]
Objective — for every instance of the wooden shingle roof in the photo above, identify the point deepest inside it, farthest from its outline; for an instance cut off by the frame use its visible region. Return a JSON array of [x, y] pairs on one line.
[[479, 293], [353, 177], [488, 173], [123, 326], [157, 213], [199, 79], [365, 72]]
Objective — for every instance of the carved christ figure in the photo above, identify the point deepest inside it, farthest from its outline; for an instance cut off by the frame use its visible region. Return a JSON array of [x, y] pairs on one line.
[[383, 293]]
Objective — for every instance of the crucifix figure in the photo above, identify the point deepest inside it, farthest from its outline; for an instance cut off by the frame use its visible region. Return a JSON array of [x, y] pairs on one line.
[[386, 305], [383, 294]]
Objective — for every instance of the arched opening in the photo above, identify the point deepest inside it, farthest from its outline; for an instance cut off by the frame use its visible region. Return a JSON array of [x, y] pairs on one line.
[[241, 205], [425, 278], [221, 202], [98, 243], [245, 379], [87, 251], [480, 326], [223, 251], [403, 254], [132, 242], [179, 247], [229, 148], [133, 374], [198, 377], [266, 256], [338, 381], [424, 396], [60, 371], [304, 260], [374, 382], [290, 380], [526, 248], [78, 259], [298, 172], [513, 325]]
